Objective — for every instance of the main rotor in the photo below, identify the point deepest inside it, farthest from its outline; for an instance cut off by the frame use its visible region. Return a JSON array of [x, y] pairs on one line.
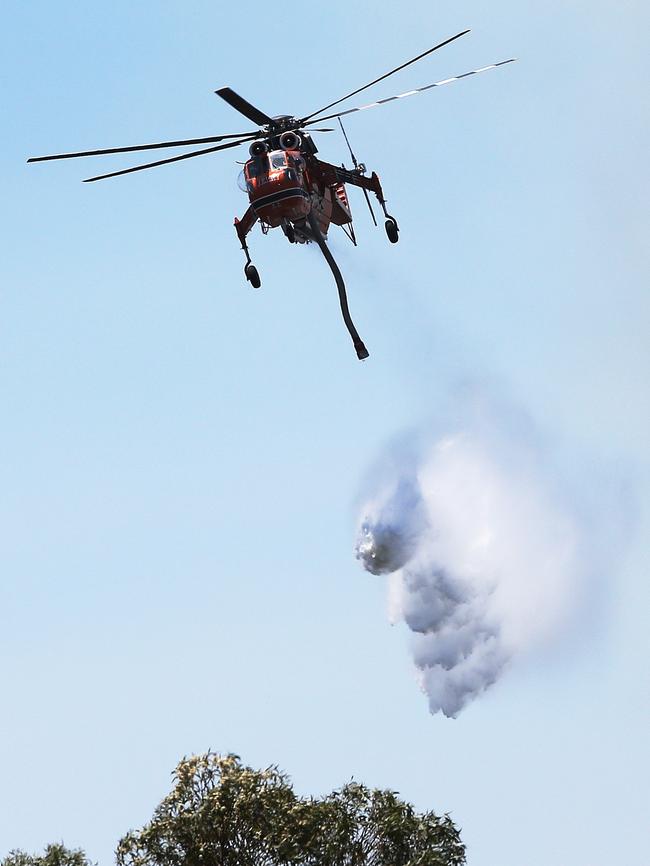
[[268, 127]]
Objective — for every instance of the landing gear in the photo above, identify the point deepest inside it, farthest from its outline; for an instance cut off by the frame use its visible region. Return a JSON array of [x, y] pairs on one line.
[[242, 227], [252, 275], [289, 232], [392, 229]]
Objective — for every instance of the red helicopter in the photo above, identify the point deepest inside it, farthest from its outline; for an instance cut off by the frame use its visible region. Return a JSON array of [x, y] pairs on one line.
[[287, 185]]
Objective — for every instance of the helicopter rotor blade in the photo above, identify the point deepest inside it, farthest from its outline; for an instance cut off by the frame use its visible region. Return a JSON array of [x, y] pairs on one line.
[[243, 106], [381, 77], [165, 161], [412, 92], [136, 147]]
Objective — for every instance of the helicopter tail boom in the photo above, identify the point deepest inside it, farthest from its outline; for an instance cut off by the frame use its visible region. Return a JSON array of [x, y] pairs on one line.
[[333, 174]]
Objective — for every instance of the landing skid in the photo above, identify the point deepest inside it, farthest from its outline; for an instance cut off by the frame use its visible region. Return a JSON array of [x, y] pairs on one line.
[[316, 234]]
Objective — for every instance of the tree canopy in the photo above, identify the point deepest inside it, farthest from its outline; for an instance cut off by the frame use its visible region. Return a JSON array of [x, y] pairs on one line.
[[222, 813], [54, 855]]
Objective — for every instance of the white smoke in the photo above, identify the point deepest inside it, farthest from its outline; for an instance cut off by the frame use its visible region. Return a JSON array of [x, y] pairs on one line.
[[484, 547]]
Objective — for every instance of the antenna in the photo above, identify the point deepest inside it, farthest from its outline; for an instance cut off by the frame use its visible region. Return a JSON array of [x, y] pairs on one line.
[[361, 169]]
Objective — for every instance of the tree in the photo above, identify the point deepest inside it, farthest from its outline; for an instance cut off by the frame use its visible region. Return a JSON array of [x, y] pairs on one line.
[[54, 855], [370, 827], [218, 812], [221, 813]]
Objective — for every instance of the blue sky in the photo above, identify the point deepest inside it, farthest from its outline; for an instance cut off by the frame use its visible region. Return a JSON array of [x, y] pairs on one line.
[[181, 455]]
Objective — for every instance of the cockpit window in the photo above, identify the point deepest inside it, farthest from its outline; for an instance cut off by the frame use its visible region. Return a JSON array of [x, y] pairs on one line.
[[278, 159], [296, 161], [257, 166]]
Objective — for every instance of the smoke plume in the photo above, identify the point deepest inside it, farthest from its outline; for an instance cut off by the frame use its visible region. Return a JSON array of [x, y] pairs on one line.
[[484, 547]]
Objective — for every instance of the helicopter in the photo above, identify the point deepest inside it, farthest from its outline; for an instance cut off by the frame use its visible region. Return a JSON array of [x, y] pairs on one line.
[[288, 186]]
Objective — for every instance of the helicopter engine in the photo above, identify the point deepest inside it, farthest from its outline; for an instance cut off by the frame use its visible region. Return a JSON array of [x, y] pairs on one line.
[[258, 148], [290, 141]]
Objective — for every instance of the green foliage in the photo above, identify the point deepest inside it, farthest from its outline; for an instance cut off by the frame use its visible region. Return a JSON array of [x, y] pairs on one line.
[[221, 813], [364, 827], [218, 812], [54, 855]]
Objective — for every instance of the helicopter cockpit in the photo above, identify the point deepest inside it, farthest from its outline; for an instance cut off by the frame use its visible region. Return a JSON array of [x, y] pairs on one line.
[[268, 167]]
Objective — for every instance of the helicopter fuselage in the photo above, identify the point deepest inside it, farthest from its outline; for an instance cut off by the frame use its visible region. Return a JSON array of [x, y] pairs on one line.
[[277, 187], [284, 186]]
